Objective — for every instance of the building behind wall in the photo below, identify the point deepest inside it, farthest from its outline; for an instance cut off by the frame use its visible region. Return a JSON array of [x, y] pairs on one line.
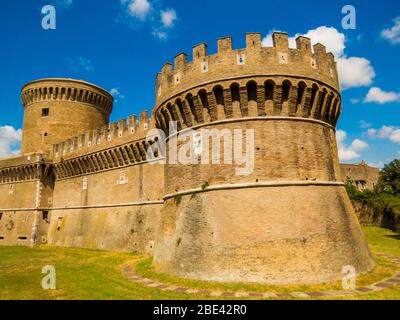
[[84, 182], [360, 175]]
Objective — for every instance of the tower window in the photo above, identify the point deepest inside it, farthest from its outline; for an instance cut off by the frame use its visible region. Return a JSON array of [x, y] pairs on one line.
[[1, 215], [45, 134], [45, 112], [45, 216]]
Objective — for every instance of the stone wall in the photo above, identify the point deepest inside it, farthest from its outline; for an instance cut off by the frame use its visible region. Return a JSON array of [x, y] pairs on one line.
[[370, 216], [291, 211], [115, 210]]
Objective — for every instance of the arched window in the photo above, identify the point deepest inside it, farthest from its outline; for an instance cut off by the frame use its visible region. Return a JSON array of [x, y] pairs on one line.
[[252, 91], [235, 93], [269, 90], [219, 95], [286, 86]]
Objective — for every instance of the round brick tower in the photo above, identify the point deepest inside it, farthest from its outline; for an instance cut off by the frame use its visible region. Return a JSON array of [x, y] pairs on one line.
[[289, 220], [58, 109]]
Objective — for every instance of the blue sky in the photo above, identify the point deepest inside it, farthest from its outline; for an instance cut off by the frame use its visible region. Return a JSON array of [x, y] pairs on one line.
[[121, 45]]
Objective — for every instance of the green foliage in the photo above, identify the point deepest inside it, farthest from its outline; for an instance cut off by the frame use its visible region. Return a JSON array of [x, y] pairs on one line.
[[177, 199], [389, 180], [381, 201], [385, 197], [205, 185]]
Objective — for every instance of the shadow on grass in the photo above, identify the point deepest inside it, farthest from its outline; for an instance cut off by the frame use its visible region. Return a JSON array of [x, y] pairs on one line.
[[393, 236]]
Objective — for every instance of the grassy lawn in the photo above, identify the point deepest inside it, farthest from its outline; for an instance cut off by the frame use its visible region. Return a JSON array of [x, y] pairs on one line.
[[91, 274]]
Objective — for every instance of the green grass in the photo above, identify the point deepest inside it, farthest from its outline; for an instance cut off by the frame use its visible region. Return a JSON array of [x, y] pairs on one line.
[[90, 274]]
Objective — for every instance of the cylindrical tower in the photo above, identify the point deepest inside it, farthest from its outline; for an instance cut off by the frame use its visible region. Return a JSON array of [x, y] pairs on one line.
[[58, 109], [288, 219]]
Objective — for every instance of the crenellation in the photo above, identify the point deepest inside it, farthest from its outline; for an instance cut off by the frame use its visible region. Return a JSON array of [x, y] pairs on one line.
[[319, 50], [280, 41], [199, 52], [180, 61], [303, 44], [253, 41], [105, 136], [252, 60], [224, 44]]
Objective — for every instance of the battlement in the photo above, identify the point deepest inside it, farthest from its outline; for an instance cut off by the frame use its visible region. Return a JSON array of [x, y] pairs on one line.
[[59, 89], [303, 61], [107, 136]]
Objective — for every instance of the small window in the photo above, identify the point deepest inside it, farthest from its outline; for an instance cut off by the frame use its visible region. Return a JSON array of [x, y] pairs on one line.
[[59, 223], [1, 215], [45, 112], [23, 238], [45, 134], [1, 237], [45, 216]]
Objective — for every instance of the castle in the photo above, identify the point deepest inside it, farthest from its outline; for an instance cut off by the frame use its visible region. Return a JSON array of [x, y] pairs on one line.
[[84, 182]]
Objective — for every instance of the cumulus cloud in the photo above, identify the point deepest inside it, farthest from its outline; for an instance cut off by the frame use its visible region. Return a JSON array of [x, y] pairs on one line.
[[151, 12], [116, 93], [10, 139], [168, 18], [138, 8], [353, 71], [333, 40], [392, 34], [352, 151], [391, 133], [377, 95]]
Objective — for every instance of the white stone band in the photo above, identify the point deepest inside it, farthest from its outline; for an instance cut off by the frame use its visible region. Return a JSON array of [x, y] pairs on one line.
[[257, 185]]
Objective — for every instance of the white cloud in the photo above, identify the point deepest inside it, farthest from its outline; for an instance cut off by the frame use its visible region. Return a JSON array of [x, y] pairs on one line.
[[138, 8], [81, 63], [10, 139], [353, 71], [392, 34], [395, 136], [333, 40], [379, 164], [377, 95], [162, 35], [386, 132], [116, 93], [352, 151], [364, 124], [168, 18], [159, 19]]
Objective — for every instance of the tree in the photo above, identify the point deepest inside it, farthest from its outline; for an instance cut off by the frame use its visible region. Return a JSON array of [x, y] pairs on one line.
[[389, 180]]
